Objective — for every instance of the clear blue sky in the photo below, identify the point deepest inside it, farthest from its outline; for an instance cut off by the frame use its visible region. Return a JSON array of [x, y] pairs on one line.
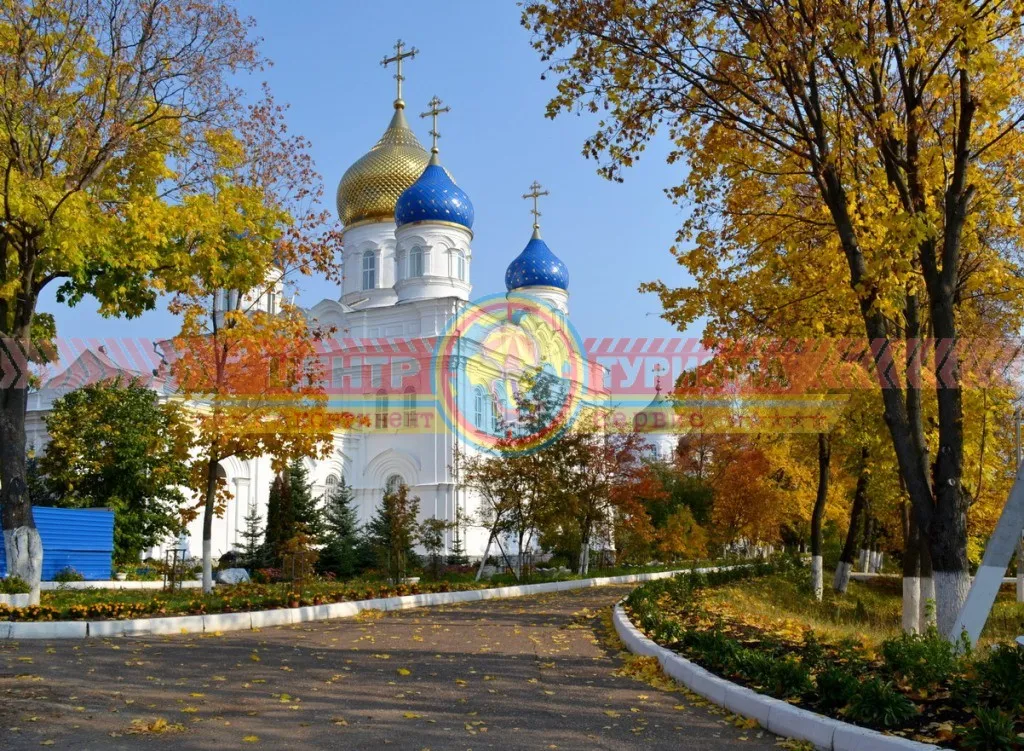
[[495, 142]]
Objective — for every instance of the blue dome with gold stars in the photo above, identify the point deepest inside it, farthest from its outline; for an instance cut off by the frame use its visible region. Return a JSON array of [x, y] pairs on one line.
[[536, 266], [434, 197]]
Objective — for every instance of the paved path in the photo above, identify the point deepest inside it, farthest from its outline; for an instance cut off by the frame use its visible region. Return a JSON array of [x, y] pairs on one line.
[[525, 673]]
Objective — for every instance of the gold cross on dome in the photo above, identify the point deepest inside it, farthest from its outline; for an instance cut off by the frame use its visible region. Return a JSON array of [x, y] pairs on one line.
[[535, 193], [397, 59], [435, 110]]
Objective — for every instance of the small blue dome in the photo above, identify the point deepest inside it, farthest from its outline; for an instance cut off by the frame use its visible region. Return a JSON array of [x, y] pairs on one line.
[[434, 197], [537, 266]]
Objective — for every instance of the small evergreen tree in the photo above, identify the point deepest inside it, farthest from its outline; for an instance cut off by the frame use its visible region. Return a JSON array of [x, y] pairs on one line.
[[431, 534], [457, 555], [306, 507], [280, 518], [340, 554], [393, 531], [252, 549]]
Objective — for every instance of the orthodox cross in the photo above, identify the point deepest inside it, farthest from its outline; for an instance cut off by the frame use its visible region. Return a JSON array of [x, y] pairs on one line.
[[435, 110], [658, 370], [535, 193], [397, 59]]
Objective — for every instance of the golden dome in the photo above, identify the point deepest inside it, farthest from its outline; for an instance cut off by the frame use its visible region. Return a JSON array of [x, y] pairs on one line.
[[370, 188]]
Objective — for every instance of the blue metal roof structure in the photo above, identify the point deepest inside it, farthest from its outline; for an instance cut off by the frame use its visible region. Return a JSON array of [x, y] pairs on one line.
[[80, 538]]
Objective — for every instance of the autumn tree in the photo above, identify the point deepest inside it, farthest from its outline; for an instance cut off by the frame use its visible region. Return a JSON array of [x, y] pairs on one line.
[[595, 472], [887, 135], [245, 353], [106, 105], [115, 445]]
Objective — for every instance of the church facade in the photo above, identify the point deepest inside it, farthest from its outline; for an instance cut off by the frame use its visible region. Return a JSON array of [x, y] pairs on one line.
[[433, 367]]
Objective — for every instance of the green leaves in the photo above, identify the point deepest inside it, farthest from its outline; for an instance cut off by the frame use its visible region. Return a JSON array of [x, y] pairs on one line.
[[113, 444]]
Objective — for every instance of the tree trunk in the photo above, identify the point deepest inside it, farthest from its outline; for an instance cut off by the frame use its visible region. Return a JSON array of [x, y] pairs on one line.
[[584, 563], [817, 562], [853, 533], [22, 544], [865, 551], [927, 617], [211, 496], [911, 572]]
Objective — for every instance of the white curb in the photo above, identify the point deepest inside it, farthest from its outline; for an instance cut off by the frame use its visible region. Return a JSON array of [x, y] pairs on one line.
[[777, 716], [221, 622]]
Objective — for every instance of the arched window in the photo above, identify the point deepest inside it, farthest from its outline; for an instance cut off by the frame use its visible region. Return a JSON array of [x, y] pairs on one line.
[[331, 486], [416, 262], [460, 265], [369, 270], [382, 408], [479, 408], [393, 483], [410, 407], [496, 413]]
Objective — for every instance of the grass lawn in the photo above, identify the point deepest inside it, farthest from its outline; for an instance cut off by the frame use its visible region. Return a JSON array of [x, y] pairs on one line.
[[870, 611]]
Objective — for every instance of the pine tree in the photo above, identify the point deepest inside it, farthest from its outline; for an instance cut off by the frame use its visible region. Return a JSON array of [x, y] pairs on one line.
[[252, 550], [392, 531], [305, 505], [340, 555], [280, 518], [457, 555]]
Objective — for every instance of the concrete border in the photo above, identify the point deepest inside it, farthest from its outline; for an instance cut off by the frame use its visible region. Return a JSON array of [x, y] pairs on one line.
[[777, 716], [257, 619]]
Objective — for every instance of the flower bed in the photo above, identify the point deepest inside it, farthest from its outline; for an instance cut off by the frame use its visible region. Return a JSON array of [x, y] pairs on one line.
[[121, 604], [81, 605], [913, 686]]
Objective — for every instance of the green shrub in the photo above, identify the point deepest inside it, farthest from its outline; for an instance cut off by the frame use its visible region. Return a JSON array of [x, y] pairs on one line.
[[712, 648], [835, 688], [1001, 677], [14, 585], [68, 574], [754, 665], [993, 731], [789, 678], [923, 660], [879, 704]]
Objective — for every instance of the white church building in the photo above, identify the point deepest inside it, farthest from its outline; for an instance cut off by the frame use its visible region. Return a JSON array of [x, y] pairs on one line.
[[408, 257]]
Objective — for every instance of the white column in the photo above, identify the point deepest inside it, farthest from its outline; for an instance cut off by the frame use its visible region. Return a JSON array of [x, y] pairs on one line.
[[241, 509]]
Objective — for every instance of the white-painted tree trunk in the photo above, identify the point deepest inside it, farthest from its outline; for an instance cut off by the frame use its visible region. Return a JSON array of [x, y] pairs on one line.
[[207, 566], [817, 577], [862, 562], [951, 588], [841, 581], [24, 553], [912, 604], [879, 560], [926, 617]]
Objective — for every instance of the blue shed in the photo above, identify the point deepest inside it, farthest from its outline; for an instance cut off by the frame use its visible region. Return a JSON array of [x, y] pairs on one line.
[[82, 538]]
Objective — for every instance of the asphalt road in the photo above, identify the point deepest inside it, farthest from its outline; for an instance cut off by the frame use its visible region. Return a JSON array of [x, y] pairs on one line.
[[527, 673]]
